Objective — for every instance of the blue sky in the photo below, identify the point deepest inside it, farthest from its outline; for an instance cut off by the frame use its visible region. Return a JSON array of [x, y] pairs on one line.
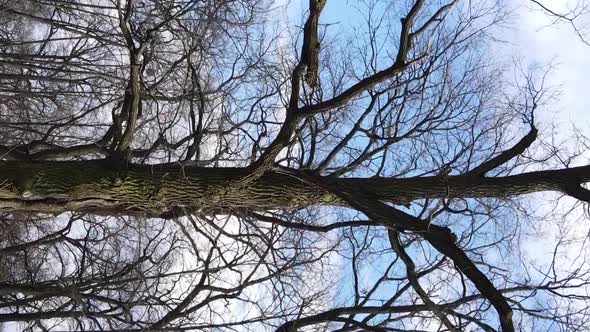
[[532, 37], [532, 40]]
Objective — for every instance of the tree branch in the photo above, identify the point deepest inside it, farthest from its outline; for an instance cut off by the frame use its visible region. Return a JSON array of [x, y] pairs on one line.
[[309, 60], [312, 228], [311, 44], [443, 240], [507, 155], [413, 279]]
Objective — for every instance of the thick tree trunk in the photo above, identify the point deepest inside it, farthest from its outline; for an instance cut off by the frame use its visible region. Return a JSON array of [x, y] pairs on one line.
[[167, 190], [158, 190]]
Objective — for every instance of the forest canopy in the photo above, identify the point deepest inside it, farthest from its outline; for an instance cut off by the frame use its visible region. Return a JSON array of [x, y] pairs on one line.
[[250, 165]]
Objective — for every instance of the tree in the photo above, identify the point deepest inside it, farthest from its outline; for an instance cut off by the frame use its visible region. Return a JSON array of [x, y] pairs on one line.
[[571, 16], [186, 165]]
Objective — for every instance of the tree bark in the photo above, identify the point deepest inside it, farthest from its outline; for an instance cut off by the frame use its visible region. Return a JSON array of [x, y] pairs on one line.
[[168, 190]]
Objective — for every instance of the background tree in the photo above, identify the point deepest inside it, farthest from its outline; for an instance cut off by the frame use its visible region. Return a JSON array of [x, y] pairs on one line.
[[204, 165]]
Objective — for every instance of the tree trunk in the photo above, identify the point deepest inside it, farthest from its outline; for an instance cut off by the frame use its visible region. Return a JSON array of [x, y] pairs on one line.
[[168, 190]]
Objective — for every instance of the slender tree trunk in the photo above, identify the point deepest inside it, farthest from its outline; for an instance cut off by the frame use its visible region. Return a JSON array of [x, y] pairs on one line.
[[168, 190]]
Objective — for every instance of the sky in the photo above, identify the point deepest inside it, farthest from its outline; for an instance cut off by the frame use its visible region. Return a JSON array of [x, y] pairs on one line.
[[533, 40], [539, 41]]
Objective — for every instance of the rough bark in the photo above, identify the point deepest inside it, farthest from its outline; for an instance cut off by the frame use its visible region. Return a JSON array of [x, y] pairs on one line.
[[156, 190], [167, 190]]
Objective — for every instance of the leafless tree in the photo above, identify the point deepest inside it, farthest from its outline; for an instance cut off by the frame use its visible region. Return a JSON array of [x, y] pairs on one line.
[[575, 14], [212, 165]]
